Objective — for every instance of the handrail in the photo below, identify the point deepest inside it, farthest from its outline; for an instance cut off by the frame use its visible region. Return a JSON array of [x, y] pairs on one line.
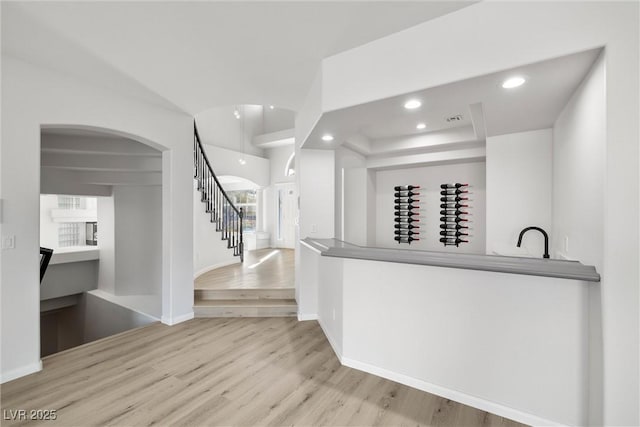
[[45, 254], [215, 178], [227, 217]]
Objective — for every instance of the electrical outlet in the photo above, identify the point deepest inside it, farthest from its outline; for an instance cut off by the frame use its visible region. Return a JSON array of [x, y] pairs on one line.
[[8, 242], [566, 245], [334, 314], [314, 228]]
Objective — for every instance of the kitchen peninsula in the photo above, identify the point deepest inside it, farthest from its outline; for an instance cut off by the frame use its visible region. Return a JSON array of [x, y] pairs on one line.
[[488, 331]]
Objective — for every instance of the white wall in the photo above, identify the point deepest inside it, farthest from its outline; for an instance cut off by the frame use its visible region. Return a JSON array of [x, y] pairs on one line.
[[372, 217], [357, 216], [226, 162], [107, 245], [579, 171], [345, 159], [33, 97], [138, 240], [579, 157], [429, 179], [278, 159], [69, 279], [519, 174], [48, 228], [499, 342], [130, 243], [308, 274], [277, 119], [103, 318], [317, 190], [219, 127], [389, 66], [331, 301], [315, 178]]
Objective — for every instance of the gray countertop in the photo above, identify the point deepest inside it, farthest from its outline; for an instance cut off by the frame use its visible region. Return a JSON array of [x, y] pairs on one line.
[[503, 264]]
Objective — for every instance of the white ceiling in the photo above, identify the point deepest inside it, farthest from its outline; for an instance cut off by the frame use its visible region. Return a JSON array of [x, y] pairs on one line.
[[193, 55], [482, 102]]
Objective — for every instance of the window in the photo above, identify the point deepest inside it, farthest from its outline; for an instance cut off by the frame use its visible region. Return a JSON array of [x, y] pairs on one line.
[[70, 234], [248, 201], [64, 219], [70, 202]]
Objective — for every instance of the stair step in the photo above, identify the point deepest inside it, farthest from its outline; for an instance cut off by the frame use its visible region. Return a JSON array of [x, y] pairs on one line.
[[246, 308], [242, 294]]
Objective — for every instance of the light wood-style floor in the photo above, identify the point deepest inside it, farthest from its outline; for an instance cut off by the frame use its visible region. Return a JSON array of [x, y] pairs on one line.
[[262, 269], [232, 372]]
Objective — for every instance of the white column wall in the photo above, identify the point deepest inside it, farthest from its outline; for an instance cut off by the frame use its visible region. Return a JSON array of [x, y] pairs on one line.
[[579, 166], [138, 240], [347, 160], [357, 217], [107, 245], [317, 191], [579, 162]]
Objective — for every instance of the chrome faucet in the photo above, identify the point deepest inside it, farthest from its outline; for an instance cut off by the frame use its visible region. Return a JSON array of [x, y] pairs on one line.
[[546, 239]]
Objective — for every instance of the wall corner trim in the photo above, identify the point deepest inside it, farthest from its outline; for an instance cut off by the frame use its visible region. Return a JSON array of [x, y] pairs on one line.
[[170, 321], [466, 399], [21, 372], [334, 345]]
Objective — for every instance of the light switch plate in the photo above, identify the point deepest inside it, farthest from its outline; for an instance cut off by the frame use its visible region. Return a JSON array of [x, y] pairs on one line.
[[8, 242]]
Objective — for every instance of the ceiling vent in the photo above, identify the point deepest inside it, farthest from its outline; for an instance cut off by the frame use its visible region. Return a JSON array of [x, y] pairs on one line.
[[456, 118]]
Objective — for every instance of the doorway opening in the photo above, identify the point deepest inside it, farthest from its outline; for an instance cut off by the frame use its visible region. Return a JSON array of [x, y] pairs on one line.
[[101, 214]]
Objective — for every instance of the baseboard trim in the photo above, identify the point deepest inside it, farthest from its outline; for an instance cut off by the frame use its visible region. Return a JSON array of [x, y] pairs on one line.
[[178, 319], [466, 399], [21, 372], [214, 266], [332, 342], [307, 316]]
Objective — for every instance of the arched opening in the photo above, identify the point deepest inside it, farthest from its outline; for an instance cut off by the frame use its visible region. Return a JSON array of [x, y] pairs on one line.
[[290, 168], [101, 213]]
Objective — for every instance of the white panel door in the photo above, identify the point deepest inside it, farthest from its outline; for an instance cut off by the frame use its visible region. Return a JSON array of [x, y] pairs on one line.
[[286, 205]]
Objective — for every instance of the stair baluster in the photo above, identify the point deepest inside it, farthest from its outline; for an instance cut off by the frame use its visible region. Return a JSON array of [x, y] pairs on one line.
[[224, 214]]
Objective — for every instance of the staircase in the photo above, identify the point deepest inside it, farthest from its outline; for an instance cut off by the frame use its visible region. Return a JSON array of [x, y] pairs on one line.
[[275, 302], [245, 303], [226, 217]]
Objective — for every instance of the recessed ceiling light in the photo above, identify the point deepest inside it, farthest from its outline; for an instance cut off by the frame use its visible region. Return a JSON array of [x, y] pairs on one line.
[[421, 126], [513, 82], [327, 137], [271, 107], [242, 161], [412, 104]]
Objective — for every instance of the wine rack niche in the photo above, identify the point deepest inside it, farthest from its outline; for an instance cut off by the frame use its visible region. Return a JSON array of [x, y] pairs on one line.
[[454, 202], [407, 213]]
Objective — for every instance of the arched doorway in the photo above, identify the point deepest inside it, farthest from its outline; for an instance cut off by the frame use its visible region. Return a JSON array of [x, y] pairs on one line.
[[101, 213]]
